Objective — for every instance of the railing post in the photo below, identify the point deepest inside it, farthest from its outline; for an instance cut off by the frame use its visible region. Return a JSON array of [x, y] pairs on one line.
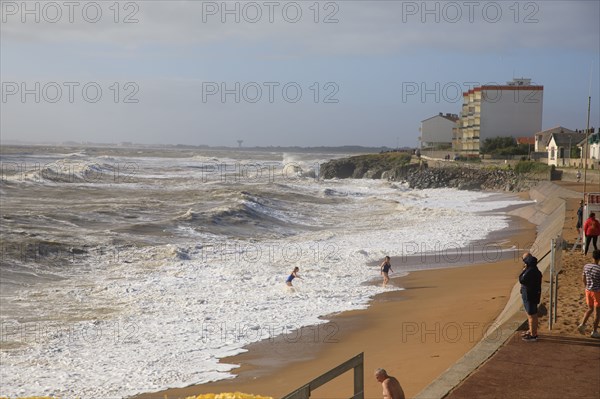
[[359, 379], [551, 296]]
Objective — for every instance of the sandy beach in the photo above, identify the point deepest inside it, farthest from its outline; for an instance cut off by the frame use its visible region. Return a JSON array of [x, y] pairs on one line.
[[415, 334]]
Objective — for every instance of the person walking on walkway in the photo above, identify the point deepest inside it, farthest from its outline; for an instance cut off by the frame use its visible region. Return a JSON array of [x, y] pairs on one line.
[[391, 386], [591, 228], [591, 282], [531, 292]]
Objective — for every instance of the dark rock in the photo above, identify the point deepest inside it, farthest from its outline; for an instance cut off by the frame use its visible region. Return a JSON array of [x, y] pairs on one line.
[[373, 174], [420, 176], [337, 168]]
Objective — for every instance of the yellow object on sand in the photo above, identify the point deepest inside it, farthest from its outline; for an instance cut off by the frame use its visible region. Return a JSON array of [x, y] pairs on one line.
[[224, 395], [228, 395]]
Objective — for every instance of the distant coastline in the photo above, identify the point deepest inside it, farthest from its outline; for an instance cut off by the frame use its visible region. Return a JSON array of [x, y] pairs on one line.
[[344, 149]]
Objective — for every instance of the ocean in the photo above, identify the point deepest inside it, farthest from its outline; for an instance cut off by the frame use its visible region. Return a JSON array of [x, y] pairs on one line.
[[132, 270]]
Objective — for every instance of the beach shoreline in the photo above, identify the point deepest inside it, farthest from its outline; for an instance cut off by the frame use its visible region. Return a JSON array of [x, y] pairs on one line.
[[444, 311]]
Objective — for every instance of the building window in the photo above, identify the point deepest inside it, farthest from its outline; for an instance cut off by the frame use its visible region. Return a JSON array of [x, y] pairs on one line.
[[551, 152]]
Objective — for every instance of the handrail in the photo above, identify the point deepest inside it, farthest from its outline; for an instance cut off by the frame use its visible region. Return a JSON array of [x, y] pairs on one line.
[[356, 363]]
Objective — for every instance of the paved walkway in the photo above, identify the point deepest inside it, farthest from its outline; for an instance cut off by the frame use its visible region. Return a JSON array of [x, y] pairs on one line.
[[552, 367], [556, 366]]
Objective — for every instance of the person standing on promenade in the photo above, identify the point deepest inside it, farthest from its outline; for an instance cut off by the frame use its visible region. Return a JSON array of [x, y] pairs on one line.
[[391, 386], [292, 276], [386, 267], [531, 292], [591, 282], [579, 218], [591, 228]]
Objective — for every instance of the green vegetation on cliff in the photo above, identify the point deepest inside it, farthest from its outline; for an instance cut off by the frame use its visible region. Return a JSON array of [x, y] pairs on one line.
[[503, 146], [531, 167]]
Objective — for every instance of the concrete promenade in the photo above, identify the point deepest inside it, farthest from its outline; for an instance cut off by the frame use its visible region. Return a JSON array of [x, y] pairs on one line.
[[505, 366], [552, 367]]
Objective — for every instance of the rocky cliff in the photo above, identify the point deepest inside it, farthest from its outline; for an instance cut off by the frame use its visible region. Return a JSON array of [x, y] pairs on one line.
[[420, 176], [391, 166], [465, 178]]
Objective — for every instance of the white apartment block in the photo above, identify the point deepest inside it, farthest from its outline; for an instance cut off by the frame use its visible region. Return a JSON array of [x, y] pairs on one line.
[[489, 111], [436, 131]]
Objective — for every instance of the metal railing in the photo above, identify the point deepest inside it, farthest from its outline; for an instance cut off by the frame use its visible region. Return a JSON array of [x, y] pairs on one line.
[[356, 363], [556, 248]]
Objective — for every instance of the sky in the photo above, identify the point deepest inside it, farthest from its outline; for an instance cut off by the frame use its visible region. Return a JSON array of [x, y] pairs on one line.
[[282, 73]]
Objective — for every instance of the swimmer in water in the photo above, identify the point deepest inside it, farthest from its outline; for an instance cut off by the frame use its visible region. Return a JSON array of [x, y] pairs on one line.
[[292, 276], [386, 267]]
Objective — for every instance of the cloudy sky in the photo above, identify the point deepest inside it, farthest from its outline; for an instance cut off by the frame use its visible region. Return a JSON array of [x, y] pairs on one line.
[[282, 73]]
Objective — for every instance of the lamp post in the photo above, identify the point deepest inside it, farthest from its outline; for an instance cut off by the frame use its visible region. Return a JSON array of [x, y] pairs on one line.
[[570, 138], [585, 147]]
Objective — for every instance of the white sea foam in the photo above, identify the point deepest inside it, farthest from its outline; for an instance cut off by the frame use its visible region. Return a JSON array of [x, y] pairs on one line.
[[163, 315]]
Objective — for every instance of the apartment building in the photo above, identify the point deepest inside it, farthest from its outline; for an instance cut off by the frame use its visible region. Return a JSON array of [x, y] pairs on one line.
[[489, 111]]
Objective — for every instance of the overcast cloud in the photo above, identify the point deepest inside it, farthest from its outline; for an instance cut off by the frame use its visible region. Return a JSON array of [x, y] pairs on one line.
[[333, 75]]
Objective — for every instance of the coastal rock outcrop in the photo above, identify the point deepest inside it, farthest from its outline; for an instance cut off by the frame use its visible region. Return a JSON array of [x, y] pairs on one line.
[[392, 166], [420, 176], [465, 178]]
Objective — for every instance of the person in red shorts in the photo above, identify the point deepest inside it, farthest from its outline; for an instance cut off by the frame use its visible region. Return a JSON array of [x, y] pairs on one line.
[[591, 281]]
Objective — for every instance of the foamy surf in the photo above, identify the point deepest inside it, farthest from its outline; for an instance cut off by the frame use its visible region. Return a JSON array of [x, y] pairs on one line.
[[166, 272]]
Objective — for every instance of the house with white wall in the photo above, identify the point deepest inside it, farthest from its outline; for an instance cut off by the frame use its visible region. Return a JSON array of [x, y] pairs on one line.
[[542, 138], [436, 132], [560, 146], [593, 146]]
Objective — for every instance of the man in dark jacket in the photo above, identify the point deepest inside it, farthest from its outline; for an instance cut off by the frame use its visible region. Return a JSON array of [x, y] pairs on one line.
[[579, 224], [531, 291]]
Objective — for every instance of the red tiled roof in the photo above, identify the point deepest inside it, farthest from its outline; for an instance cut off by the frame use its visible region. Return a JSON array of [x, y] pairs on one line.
[[526, 140], [491, 87]]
